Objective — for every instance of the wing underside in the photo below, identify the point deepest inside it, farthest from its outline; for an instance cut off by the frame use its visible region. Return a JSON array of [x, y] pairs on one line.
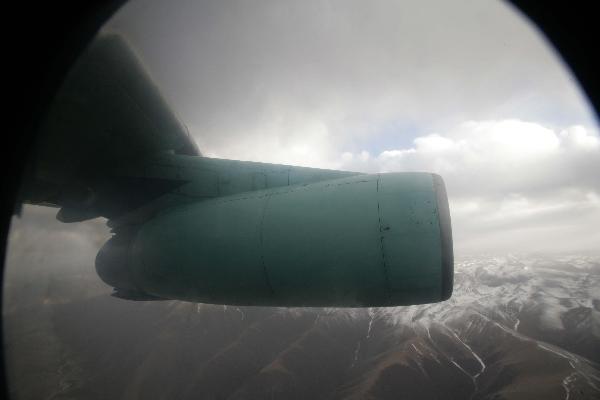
[[107, 114]]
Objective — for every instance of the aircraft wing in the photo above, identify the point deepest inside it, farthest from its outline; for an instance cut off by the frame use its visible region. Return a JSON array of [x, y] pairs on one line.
[[220, 231], [111, 146], [108, 113]]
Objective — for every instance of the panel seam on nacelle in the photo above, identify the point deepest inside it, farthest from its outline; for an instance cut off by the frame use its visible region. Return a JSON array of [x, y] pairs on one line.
[[447, 250], [383, 261], [262, 249]]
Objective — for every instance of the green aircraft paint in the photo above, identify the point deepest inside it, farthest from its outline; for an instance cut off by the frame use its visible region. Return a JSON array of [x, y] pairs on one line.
[[364, 240], [202, 229]]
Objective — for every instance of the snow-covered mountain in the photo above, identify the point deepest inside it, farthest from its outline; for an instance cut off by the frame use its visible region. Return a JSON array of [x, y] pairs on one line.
[[516, 327]]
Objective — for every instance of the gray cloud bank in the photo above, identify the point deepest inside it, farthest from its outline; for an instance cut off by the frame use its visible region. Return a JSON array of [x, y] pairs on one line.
[[464, 88], [513, 185]]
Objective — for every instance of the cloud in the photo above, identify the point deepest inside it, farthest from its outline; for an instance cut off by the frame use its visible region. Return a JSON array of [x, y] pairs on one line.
[[50, 260], [279, 80], [467, 89], [499, 156], [508, 180]]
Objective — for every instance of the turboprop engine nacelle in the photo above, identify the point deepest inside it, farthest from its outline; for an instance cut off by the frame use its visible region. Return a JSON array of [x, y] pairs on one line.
[[361, 241]]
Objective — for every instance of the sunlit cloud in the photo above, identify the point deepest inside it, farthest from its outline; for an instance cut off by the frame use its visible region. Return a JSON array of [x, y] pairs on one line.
[[465, 89], [509, 175]]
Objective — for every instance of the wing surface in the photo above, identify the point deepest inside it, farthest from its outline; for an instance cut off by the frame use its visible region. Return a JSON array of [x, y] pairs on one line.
[[107, 114], [111, 146]]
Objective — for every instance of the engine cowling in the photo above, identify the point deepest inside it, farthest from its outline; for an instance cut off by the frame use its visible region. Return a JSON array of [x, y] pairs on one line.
[[366, 240]]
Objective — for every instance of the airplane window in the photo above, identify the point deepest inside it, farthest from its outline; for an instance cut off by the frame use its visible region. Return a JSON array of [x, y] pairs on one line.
[[309, 200]]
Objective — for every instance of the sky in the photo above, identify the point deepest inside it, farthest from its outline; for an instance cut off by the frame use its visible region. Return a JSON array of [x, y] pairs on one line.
[[466, 89]]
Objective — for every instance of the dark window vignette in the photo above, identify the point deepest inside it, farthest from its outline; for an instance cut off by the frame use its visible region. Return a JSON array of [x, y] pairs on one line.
[[44, 39]]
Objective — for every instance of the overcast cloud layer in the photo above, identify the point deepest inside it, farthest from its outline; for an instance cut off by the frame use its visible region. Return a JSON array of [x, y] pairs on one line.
[[467, 89]]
